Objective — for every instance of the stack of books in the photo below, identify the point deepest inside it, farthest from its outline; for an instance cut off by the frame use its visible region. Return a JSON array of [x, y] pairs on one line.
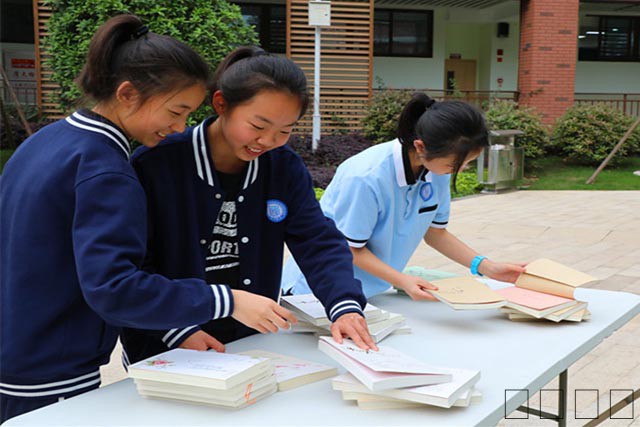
[[292, 372], [467, 293], [391, 379], [546, 292], [205, 377], [312, 318]]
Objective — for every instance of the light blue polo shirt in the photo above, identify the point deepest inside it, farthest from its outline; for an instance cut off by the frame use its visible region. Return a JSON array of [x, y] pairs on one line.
[[377, 202]]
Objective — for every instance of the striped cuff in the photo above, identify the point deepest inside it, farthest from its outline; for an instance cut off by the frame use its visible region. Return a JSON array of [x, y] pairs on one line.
[[57, 388], [222, 301], [176, 336], [356, 243], [125, 360], [439, 224], [344, 307]]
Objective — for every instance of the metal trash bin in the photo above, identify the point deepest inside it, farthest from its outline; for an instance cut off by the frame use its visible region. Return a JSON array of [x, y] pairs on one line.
[[501, 164]]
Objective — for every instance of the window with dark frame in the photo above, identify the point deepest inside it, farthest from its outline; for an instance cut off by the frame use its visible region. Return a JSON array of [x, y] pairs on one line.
[[16, 22], [406, 33], [609, 38], [270, 23]]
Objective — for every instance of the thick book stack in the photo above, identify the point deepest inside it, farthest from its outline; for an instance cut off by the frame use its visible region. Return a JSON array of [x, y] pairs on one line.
[[292, 372], [205, 377], [546, 292], [390, 379], [312, 318]]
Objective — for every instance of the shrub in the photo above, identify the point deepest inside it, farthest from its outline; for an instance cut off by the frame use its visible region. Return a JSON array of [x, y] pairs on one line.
[[502, 115], [12, 131], [586, 134], [466, 184], [380, 123], [212, 27], [332, 150]]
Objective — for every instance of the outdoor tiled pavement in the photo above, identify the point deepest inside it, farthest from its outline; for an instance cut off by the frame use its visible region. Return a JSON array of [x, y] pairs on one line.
[[595, 232]]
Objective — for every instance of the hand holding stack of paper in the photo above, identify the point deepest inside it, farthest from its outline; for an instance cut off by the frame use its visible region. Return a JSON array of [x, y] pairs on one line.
[[309, 309], [205, 377], [391, 379], [546, 291]]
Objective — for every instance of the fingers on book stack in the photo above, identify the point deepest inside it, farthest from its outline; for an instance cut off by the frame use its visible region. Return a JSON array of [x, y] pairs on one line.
[[389, 379], [205, 377], [309, 309], [546, 292]]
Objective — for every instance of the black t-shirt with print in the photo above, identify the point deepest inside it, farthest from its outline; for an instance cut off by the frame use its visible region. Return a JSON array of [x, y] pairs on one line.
[[223, 258]]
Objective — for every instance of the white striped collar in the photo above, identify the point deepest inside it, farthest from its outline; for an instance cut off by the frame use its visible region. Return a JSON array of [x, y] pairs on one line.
[[402, 165], [203, 159], [105, 128]]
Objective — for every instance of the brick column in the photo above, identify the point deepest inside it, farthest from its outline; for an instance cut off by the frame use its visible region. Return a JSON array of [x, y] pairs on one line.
[[548, 55]]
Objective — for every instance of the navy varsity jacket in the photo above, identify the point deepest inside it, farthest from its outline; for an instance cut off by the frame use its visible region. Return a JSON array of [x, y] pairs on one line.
[[74, 233], [276, 205]]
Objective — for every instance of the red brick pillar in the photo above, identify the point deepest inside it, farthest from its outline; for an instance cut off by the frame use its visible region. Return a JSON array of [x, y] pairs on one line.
[[548, 55]]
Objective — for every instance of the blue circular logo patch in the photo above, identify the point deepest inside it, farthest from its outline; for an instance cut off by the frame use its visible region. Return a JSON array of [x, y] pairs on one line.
[[426, 191], [276, 210]]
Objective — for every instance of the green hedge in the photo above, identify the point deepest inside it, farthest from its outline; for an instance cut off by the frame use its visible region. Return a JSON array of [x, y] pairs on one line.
[[586, 134], [211, 27], [380, 123]]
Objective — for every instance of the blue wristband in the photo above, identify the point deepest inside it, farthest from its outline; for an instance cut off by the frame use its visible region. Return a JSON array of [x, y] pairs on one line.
[[475, 263]]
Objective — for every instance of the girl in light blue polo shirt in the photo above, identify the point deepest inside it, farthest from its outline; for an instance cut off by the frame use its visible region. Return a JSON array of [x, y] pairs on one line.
[[387, 198]]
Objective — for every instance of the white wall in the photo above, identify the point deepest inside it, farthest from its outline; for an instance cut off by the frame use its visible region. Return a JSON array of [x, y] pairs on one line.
[[609, 77], [508, 68]]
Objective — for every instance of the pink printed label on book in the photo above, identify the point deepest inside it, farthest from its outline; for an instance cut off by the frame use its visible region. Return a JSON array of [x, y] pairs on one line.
[[531, 299]]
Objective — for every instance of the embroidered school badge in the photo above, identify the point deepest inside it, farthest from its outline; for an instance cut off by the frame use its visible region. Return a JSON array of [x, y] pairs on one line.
[[276, 210], [426, 191]]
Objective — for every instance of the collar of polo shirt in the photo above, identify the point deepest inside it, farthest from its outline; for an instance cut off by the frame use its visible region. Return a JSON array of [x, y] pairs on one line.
[[402, 164]]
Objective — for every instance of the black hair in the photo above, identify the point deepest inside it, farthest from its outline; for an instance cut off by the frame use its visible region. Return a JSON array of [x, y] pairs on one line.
[[447, 127], [249, 70], [123, 49]]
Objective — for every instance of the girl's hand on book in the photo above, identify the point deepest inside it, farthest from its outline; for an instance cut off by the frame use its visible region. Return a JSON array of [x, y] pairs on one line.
[[416, 288], [202, 341], [503, 272], [260, 313], [353, 325]]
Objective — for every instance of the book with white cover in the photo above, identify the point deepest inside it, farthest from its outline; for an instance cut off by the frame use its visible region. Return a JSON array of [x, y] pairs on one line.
[[384, 369], [380, 330], [220, 371], [214, 400], [311, 309], [292, 372], [443, 395], [235, 397], [376, 401]]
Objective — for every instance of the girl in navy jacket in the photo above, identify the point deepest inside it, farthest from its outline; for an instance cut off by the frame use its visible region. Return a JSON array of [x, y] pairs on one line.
[[74, 231], [225, 196]]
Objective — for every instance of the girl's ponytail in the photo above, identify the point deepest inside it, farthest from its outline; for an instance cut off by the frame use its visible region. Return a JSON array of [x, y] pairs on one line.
[[123, 49], [97, 77], [409, 117]]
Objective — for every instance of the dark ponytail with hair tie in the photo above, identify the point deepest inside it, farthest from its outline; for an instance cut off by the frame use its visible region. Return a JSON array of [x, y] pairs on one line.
[[411, 113], [123, 49], [446, 128]]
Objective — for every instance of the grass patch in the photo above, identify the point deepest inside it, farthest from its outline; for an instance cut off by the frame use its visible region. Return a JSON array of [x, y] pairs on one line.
[[553, 174]]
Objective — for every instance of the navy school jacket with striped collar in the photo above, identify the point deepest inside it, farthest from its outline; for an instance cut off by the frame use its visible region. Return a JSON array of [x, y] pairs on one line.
[[74, 233], [276, 205]]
